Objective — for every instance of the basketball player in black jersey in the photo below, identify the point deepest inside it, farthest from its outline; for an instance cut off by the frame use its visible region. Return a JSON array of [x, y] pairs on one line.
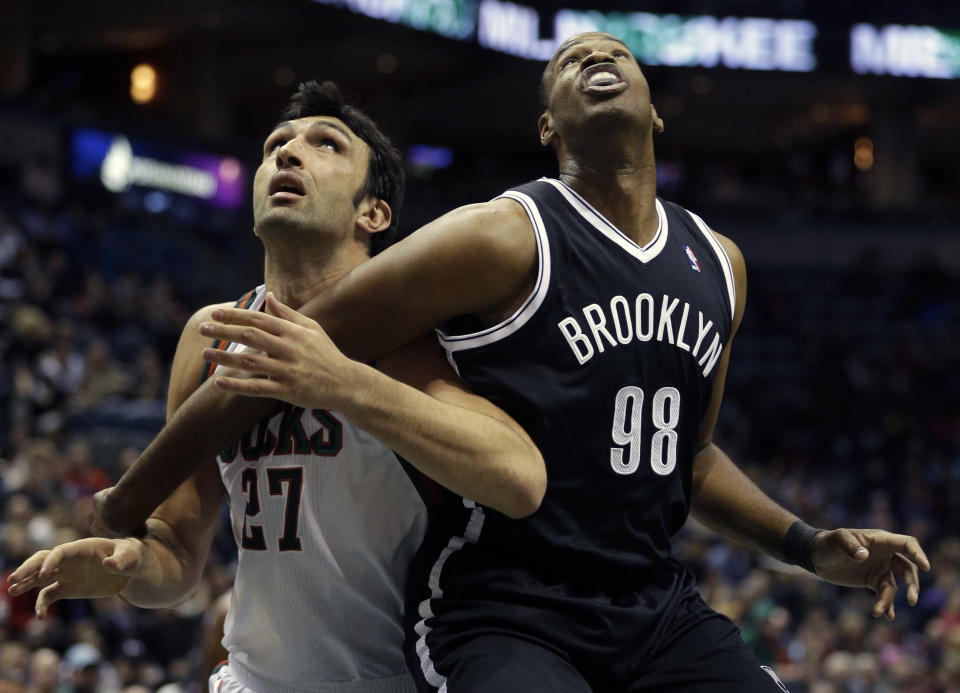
[[601, 318]]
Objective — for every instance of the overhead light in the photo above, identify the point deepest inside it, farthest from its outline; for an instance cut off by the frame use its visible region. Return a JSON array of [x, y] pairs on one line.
[[143, 83]]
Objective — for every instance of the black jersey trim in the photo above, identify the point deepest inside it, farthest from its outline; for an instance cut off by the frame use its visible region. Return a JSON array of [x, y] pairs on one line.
[[725, 264], [590, 214], [533, 302], [471, 534]]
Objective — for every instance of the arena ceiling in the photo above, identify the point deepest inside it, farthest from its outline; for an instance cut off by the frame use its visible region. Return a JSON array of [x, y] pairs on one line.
[[226, 68]]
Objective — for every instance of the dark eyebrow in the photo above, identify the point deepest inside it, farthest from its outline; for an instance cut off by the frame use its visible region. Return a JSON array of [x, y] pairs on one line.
[[326, 123], [330, 124], [279, 126], [577, 42], [276, 128], [565, 48]]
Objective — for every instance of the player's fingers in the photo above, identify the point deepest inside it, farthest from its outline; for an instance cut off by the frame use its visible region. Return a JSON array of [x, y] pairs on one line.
[[915, 553], [48, 595], [907, 569], [30, 582], [25, 584], [51, 562], [902, 543], [28, 567], [125, 558], [251, 387], [885, 589], [280, 309], [250, 318], [245, 361], [851, 545], [253, 337]]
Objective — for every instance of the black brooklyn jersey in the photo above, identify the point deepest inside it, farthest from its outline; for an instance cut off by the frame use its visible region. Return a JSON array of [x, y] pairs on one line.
[[609, 366]]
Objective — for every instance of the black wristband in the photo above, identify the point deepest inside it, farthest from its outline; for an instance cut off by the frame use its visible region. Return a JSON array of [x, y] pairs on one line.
[[797, 545]]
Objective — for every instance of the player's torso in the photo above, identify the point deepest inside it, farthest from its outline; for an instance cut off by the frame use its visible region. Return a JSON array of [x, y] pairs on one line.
[[326, 521], [610, 367]]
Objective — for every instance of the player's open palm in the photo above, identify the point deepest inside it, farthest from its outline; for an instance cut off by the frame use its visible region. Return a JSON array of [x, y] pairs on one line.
[[293, 359], [871, 558], [82, 569]]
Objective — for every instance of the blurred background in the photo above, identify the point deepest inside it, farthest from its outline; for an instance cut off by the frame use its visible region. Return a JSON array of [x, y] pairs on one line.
[[821, 137]]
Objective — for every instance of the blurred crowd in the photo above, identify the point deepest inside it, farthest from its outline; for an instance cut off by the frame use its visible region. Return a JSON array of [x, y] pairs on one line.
[[842, 402]]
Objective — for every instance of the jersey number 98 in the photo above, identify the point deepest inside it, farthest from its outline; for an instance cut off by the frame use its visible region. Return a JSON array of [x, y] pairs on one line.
[[628, 427]]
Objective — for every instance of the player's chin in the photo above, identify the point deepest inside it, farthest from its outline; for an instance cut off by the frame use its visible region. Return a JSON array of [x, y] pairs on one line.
[[280, 216]]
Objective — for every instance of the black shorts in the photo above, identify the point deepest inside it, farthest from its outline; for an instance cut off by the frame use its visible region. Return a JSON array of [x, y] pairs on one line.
[[695, 650]]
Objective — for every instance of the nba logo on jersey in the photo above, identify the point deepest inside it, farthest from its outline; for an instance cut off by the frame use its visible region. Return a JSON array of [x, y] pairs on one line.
[[693, 258]]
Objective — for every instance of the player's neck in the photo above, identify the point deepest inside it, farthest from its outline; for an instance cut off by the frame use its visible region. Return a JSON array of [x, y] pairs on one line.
[[622, 189], [295, 276]]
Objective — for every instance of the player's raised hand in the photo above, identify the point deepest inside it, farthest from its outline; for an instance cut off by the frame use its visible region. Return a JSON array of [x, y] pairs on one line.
[[297, 363], [82, 569], [871, 558]]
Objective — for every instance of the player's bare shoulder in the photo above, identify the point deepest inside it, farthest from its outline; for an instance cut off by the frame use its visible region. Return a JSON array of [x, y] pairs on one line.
[[499, 230], [476, 259], [506, 233], [187, 370]]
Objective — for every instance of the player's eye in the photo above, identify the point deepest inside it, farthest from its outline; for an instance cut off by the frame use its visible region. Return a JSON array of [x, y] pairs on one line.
[[273, 144], [329, 143], [570, 61]]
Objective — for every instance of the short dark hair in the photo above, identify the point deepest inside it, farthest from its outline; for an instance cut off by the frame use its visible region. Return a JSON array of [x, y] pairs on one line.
[[385, 174], [543, 93]]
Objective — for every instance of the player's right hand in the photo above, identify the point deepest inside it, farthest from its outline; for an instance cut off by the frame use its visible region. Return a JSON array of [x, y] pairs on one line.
[[293, 358], [82, 569]]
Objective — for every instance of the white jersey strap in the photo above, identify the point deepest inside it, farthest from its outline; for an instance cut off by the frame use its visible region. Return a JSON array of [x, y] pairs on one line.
[[724, 261], [523, 314]]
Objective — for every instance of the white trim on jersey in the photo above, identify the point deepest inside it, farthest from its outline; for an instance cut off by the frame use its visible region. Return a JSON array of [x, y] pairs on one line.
[[470, 535], [724, 261], [523, 314], [644, 254]]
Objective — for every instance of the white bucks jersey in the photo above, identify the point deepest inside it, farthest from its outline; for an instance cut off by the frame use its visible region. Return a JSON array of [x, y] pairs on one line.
[[326, 522]]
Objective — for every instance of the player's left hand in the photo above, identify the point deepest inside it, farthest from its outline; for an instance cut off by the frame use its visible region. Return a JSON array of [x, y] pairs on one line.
[[297, 363], [871, 558], [82, 569]]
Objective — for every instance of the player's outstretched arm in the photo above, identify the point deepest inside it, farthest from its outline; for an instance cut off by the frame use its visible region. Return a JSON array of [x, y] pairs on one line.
[[160, 570], [727, 501], [178, 532], [415, 403], [477, 259], [198, 420]]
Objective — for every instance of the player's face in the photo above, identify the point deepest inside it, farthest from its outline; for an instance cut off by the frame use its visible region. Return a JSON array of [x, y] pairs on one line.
[[595, 74], [311, 171]]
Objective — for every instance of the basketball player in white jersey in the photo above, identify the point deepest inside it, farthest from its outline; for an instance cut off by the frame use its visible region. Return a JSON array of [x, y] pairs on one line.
[[325, 518]]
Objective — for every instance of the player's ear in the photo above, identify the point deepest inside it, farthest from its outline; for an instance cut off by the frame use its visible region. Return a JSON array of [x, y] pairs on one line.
[[545, 124], [375, 215], [657, 120]]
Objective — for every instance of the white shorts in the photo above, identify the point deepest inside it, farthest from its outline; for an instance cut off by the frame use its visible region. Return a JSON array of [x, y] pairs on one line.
[[225, 680]]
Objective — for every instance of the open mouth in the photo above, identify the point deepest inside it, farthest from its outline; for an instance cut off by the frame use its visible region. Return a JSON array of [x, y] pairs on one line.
[[603, 78], [286, 185]]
